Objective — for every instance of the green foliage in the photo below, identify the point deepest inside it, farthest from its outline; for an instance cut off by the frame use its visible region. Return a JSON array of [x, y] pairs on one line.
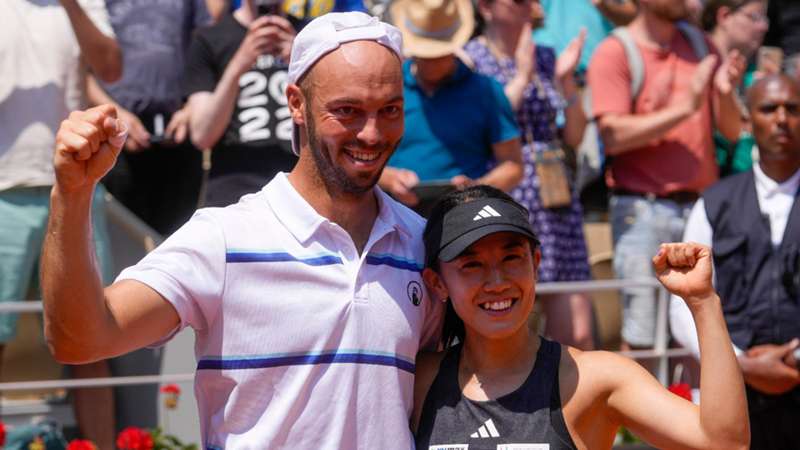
[[163, 441]]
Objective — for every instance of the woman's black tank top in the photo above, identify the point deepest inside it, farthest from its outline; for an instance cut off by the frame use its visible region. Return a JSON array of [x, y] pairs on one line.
[[529, 418]]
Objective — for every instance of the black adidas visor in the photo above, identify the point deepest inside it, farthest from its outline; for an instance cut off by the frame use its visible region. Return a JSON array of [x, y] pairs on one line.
[[467, 223]]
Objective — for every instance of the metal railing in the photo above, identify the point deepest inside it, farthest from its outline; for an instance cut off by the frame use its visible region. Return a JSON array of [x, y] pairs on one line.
[[149, 238], [659, 351]]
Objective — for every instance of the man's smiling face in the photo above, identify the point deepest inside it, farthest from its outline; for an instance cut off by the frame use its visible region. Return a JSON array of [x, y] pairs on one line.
[[353, 114]]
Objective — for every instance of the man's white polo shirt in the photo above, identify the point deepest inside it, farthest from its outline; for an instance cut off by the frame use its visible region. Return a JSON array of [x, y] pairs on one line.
[[301, 342]]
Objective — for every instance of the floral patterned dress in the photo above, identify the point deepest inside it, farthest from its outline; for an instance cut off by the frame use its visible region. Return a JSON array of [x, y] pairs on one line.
[[564, 256]]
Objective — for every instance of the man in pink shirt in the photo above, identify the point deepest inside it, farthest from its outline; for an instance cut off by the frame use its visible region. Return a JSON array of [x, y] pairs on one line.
[[658, 141]]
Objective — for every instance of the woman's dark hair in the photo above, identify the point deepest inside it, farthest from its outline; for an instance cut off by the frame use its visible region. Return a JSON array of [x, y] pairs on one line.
[[708, 20], [453, 327]]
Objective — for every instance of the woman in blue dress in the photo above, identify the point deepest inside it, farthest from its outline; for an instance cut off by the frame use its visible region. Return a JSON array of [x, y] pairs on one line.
[[539, 87]]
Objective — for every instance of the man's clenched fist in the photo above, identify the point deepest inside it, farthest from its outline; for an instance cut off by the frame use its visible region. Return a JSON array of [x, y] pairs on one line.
[[87, 145]]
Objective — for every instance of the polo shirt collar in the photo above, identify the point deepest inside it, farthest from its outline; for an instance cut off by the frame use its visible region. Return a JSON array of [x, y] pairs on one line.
[[303, 221], [770, 187], [388, 216]]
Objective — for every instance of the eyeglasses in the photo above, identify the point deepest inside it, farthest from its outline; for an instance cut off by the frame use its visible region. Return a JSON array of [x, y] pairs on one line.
[[756, 17]]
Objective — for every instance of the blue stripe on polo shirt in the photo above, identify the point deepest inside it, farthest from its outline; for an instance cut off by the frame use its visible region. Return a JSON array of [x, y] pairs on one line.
[[310, 358], [244, 256], [398, 262]]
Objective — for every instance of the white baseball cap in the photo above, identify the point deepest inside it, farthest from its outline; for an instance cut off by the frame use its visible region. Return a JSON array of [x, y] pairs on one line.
[[326, 33]]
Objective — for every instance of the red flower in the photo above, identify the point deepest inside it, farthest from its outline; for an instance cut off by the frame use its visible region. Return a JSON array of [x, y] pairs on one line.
[[133, 438], [81, 444], [171, 389], [171, 393], [2, 434], [681, 390]]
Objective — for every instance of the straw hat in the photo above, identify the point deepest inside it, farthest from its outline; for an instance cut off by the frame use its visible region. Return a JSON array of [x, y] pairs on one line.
[[433, 28]]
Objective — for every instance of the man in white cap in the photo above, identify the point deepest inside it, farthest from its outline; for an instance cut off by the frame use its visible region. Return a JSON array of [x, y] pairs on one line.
[[306, 297]]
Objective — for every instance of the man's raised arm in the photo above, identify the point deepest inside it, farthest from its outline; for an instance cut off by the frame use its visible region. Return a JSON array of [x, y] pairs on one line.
[[83, 321]]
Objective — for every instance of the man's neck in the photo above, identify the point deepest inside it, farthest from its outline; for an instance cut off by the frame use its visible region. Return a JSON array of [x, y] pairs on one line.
[[429, 86], [653, 31], [355, 213], [779, 171]]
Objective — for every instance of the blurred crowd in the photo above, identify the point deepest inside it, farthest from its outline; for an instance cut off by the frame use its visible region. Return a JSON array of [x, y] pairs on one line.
[[630, 110]]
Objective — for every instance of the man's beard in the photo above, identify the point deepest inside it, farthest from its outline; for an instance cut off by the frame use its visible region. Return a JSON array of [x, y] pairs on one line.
[[333, 176]]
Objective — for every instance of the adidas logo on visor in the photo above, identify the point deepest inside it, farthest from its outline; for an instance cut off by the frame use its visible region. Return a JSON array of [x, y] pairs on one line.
[[487, 430], [486, 212]]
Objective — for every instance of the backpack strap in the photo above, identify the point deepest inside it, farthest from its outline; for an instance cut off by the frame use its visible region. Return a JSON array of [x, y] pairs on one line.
[[634, 57], [695, 37]]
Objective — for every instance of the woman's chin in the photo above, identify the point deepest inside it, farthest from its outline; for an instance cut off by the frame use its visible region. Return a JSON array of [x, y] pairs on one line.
[[499, 331]]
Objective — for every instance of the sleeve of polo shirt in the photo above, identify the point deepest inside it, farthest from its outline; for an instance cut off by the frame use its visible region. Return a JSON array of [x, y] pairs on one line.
[[609, 78], [188, 270], [504, 123]]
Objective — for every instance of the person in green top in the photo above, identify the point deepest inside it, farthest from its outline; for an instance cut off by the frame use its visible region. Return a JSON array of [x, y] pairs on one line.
[[741, 25]]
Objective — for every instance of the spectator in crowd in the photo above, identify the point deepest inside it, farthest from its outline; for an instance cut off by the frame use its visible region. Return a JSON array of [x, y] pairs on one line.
[[158, 176], [752, 223], [498, 385], [235, 81], [302, 12], [563, 20], [784, 32], [306, 298], [660, 142], [460, 123], [739, 25], [47, 47], [537, 84]]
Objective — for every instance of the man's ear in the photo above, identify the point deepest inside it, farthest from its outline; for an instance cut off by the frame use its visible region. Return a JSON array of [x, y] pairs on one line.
[[435, 284], [297, 104], [537, 259], [722, 13]]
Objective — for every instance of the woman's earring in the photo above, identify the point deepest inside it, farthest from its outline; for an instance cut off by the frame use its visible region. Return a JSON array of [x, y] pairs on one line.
[[446, 299]]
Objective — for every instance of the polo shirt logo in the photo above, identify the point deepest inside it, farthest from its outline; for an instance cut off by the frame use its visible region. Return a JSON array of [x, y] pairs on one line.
[[414, 291]]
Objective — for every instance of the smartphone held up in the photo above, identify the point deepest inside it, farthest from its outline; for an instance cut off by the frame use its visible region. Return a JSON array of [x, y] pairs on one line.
[[268, 7]]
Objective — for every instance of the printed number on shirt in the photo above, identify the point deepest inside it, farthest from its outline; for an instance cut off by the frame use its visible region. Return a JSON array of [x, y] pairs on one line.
[[449, 447], [256, 92]]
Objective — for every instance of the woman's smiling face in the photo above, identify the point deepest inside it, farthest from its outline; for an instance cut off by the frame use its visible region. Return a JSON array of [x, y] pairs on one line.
[[492, 284]]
